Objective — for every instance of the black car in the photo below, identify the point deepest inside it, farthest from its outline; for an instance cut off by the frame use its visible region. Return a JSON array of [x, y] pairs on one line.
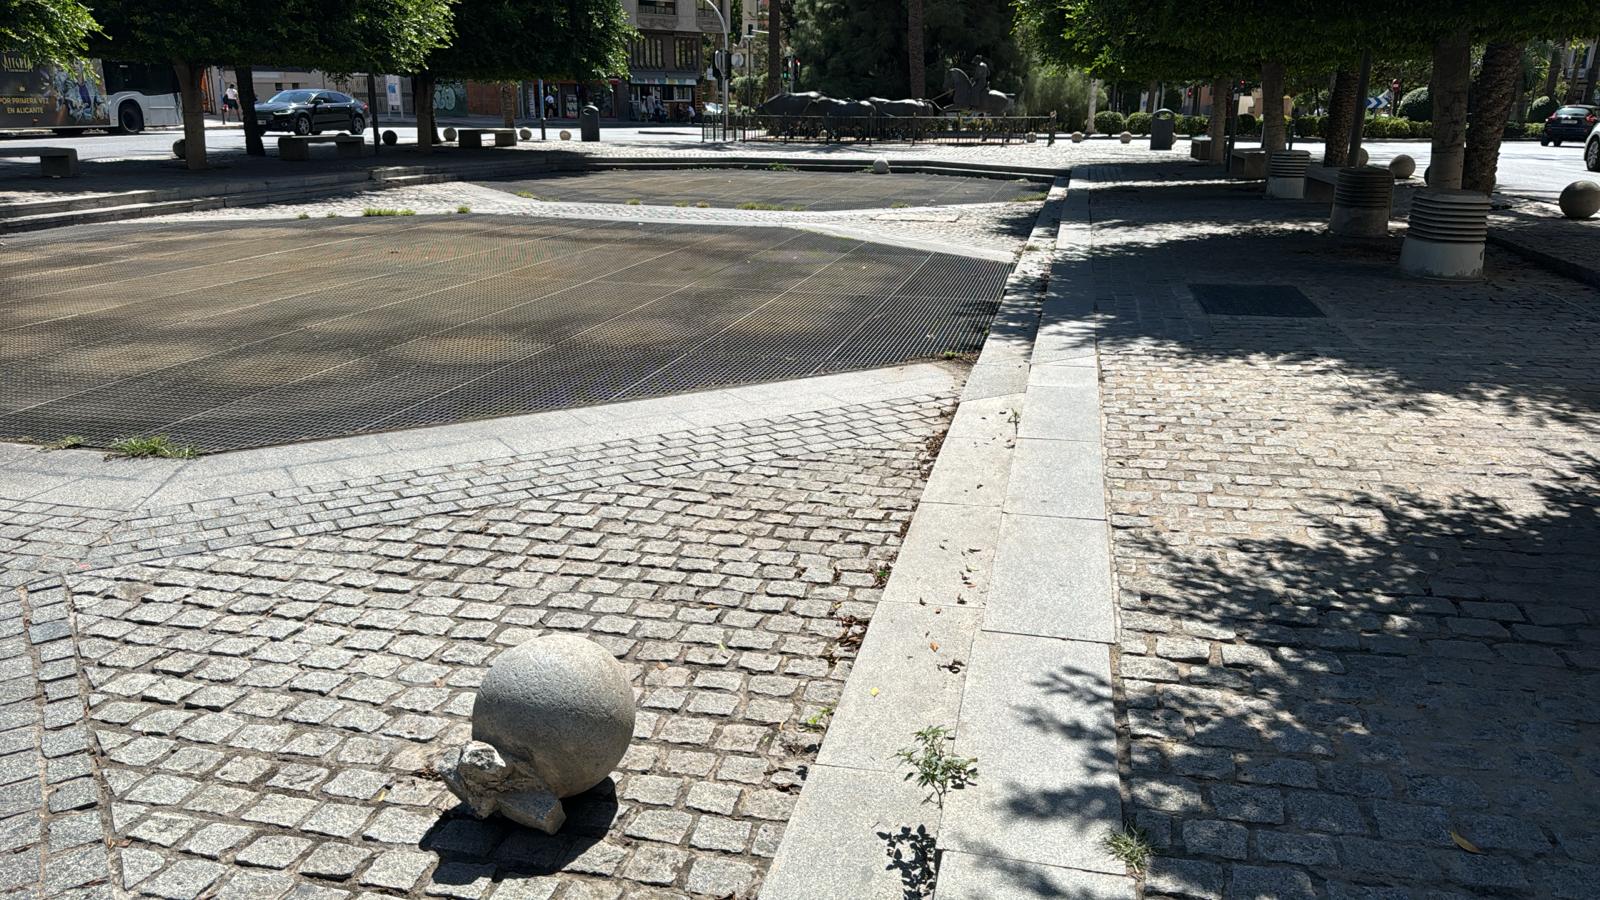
[[1569, 123], [312, 112]]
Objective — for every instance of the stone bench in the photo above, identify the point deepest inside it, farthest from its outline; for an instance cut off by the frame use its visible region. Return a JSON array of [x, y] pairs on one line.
[[54, 162], [1200, 148], [1250, 165], [298, 147], [472, 138], [1320, 180]]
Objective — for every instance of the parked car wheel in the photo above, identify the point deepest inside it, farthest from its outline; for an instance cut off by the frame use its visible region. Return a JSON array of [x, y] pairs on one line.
[[357, 124], [1544, 141], [302, 125], [130, 120], [1591, 154]]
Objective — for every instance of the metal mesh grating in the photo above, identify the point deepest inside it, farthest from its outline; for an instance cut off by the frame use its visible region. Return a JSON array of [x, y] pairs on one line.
[[230, 336]]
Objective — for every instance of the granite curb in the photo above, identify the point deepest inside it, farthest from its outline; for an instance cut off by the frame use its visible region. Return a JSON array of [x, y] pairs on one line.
[[960, 640]]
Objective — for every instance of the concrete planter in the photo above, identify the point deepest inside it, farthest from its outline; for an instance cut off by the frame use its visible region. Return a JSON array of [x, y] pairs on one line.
[[1286, 174], [1362, 197], [1448, 231]]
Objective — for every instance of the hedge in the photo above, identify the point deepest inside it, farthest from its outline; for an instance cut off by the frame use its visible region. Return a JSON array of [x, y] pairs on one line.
[[1109, 121], [1139, 122], [1542, 108], [1417, 105]]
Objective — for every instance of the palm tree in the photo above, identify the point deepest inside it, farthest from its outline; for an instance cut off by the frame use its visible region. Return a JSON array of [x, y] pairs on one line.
[[774, 48], [914, 47]]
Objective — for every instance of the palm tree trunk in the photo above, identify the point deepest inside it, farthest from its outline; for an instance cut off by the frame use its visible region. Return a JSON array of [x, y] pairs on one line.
[[1594, 72], [508, 104], [247, 108], [194, 117], [372, 107], [1217, 127], [1498, 78], [1342, 103], [919, 78], [774, 48], [1452, 76], [1273, 133], [1554, 72], [423, 97]]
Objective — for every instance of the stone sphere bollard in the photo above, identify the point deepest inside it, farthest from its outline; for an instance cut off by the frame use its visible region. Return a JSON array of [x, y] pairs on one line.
[[390, 138], [1030, 137], [1077, 137], [1580, 199], [1125, 137], [566, 135], [526, 134], [880, 166], [1402, 167], [1361, 157], [449, 134], [177, 148], [552, 718]]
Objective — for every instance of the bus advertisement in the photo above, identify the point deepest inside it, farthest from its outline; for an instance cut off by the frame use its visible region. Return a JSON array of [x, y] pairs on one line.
[[87, 94], [71, 96]]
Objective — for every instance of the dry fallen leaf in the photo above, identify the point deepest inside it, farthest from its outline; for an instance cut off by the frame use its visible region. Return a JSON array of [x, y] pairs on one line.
[[934, 646], [1463, 843], [873, 692]]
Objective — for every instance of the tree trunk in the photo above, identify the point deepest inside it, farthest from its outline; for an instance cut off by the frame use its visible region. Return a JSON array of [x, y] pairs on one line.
[[1498, 78], [247, 108], [194, 117], [1342, 103], [1594, 72], [1221, 95], [372, 107], [422, 94], [1094, 105], [774, 48], [1273, 133], [508, 104], [1552, 73], [919, 77], [1452, 76]]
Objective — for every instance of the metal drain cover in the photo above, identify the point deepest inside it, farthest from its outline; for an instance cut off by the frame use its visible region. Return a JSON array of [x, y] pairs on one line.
[[1281, 301]]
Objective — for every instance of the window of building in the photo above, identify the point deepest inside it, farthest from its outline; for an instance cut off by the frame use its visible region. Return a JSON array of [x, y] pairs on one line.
[[688, 54], [648, 52], [658, 7]]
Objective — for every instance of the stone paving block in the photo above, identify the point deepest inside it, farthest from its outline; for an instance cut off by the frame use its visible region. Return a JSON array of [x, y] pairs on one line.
[[969, 473], [830, 822], [1056, 478], [947, 556], [968, 876], [1037, 717], [1052, 577], [1061, 413], [900, 684]]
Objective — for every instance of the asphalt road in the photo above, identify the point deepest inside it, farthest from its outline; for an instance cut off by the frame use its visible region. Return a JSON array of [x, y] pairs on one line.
[[1526, 169]]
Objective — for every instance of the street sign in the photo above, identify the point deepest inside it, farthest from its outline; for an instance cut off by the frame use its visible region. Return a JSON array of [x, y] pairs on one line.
[[738, 59], [1378, 102]]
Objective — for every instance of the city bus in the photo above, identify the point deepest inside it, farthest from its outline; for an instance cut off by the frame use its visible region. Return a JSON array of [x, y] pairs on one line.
[[110, 95]]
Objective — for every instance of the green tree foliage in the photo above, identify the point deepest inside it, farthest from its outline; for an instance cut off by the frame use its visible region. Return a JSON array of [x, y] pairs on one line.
[[45, 31], [1050, 89], [858, 48], [506, 40], [1417, 105]]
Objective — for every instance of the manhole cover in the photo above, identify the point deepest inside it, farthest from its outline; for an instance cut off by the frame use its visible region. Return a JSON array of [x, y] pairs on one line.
[[1276, 300]]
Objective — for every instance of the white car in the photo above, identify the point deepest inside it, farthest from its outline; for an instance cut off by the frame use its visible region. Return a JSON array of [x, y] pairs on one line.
[[1591, 150]]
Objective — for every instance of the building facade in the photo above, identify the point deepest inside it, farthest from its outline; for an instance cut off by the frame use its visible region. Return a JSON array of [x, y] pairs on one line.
[[667, 61]]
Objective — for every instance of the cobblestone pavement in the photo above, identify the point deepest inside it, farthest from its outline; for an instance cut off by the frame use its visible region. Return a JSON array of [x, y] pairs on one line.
[[1356, 556], [242, 696]]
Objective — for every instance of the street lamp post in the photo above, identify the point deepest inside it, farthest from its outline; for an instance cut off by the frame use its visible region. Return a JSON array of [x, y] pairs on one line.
[[723, 69]]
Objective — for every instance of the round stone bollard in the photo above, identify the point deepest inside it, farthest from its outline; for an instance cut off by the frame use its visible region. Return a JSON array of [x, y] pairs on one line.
[[552, 718], [449, 134], [1077, 137], [1402, 167], [1361, 201], [1125, 137], [390, 138], [1447, 234], [566, 135], [177, 148], [1361, 157], [1030, 137], [880, 166], [1580, 199], [526, 134], [1286, 174]]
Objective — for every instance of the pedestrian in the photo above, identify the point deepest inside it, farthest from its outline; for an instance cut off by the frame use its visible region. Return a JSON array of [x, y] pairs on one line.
[[230, 100]]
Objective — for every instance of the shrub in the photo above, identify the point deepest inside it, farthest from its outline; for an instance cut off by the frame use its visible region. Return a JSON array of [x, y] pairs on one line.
[[1139, 122], [1309, 126], [1422, 129], [1417, 105], [1109, 121], [1248, 124], [1199, 124], [1542, 108]]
